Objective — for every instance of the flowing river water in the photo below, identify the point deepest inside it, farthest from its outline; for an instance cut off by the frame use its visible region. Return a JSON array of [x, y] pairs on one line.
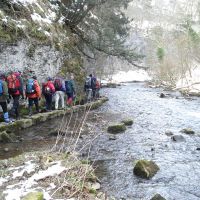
[[179, 161]]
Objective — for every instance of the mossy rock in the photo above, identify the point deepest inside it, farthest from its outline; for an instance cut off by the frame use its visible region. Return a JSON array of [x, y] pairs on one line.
[[188, 131], [117, 128], [5, 137], [145, 169], [158, 197], [128, 122], [24, 123], [34, 196]]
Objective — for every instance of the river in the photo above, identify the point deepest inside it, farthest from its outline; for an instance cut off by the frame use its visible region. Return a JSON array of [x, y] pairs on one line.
[[179, 162]]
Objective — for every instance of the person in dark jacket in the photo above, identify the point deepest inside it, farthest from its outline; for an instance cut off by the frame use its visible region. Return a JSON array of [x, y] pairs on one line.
[[4, 98], [70, 90]]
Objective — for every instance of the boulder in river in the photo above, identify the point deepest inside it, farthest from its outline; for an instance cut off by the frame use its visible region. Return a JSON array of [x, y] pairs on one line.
[[34, 196], [158, 197], [168, 133], [178, 138], [162, 95], [117, 128], [145, 169], [128, 122], [188, 131]]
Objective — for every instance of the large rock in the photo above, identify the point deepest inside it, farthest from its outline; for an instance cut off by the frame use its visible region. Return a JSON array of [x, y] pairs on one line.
[[128, 122], [188, 131], [158, 197], [145, 169], [5, 137], [117, 128], [34, 196]]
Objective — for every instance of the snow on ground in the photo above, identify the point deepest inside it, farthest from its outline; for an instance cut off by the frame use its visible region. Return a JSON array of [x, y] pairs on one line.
[[24, 186], [24, 1], [137, 75]]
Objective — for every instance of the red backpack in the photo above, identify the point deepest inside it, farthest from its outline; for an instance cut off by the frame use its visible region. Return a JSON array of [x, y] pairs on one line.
[[58, 84], [13, 84]]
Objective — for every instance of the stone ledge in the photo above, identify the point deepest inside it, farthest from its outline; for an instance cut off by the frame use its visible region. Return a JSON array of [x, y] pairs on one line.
[[42, 117]]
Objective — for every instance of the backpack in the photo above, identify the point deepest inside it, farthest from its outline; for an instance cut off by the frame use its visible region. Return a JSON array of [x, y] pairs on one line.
[[88, 82], [1, 88], [97, 85], [68, 86], [13, 84], [58, 85], [30, 86], [47, 89]]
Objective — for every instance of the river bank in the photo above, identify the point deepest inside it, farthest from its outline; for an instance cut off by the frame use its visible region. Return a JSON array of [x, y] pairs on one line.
[[8, 130]]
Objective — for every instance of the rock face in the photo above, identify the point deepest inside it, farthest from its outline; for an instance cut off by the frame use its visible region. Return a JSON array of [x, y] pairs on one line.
[[15, 57], [145, 169], [117, 128], [34, 196], [128, 122], [158, 197], [188, 131]]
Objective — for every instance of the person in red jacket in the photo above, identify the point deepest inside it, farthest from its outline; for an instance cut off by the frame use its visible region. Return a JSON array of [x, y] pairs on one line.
[[48, 90], [33, 93], [15, 89]]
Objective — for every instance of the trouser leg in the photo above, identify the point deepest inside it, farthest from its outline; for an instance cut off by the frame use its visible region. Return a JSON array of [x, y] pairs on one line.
[[62, 96], [16, 105], [36, 102], [30, 105], [57, 100], [5, 111]]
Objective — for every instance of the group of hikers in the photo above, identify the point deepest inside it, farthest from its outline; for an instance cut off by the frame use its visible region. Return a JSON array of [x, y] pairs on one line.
[[14, 86]]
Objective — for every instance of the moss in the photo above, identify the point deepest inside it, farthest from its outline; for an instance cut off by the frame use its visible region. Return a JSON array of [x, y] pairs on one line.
[[117, 128], [188, 131], [92, 191], [158, 197], [127, 122], [31, 50], [145, 169], [85, 161], [34, 196], [5, 137]]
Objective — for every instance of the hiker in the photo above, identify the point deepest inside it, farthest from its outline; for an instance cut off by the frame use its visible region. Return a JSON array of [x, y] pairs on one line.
[[15, 89], [88, 88], [70, 90], [60, 92], [97, 89], [33, 93], [4, 97], [48, 90], [93, 86]]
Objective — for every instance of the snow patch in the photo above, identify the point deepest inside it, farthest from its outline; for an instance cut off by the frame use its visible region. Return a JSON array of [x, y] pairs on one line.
[[25, 1], [137, 75], [16, 191], [2, 180]]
